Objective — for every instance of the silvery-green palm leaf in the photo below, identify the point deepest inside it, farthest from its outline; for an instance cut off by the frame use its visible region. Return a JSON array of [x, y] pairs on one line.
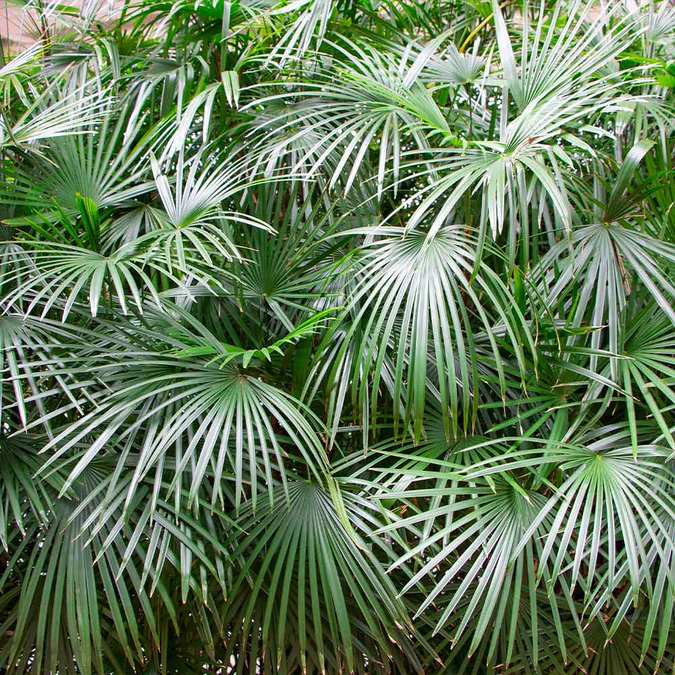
[[602, 265], [56, 111], [472, 546], [325, 315], [567, 49], [108, 163], [68, 259], [196, 196], [486, 535], [549, 101], [369, 96], [643, 372], [15, 76], [35, 358], [618, 508], [413, 300], [455, 68], [306, 30], [189, 418]]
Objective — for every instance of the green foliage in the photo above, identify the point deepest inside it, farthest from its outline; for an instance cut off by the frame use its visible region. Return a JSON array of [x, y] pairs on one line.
[[338, 337]]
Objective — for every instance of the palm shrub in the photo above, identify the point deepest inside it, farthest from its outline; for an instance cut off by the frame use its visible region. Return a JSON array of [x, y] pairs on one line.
[[339, 337]]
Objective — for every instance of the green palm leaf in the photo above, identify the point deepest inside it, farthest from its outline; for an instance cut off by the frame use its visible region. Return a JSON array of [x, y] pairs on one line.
[[309, 575]]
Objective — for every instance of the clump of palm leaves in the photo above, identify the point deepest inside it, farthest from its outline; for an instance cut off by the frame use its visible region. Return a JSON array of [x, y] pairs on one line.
[[339, 337]]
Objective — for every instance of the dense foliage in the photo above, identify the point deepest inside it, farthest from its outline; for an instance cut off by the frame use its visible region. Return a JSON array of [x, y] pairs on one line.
[[339, 336]]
